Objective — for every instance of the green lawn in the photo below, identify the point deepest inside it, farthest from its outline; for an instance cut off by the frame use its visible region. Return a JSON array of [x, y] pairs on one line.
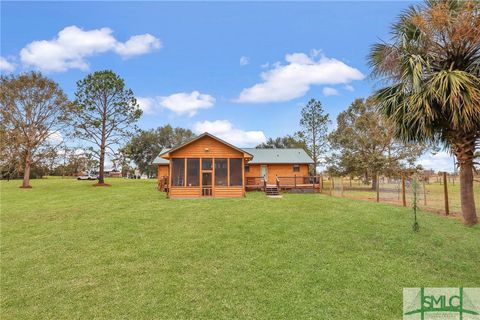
[[432, 200], [69, 250]]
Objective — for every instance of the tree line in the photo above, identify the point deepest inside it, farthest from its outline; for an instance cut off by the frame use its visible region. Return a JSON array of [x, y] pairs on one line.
[[36, 118]]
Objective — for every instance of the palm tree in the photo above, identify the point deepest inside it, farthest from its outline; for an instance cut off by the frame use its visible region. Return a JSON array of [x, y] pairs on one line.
[[431, 71]]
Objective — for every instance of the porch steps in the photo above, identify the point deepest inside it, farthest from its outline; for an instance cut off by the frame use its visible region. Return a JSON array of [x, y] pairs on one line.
[[272, 191]]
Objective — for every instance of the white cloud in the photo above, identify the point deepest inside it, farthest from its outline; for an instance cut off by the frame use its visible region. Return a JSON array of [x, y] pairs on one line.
[[225, 130], [349, 88], [137, 45], [441, 161], [146, 104], [329, 91], [6, 66], [244, 60], [284, 82], [180, 103], [73, 45], [187, 103]]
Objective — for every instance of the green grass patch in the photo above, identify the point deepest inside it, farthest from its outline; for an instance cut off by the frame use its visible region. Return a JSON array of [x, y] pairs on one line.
[[69, 250]]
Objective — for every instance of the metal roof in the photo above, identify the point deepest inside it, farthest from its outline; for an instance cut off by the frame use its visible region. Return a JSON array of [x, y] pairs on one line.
[[159, 160], [205, 134], [271, 155], [265, 155]]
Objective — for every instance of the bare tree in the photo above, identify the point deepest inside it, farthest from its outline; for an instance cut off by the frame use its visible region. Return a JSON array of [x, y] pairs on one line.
[[33, 109]]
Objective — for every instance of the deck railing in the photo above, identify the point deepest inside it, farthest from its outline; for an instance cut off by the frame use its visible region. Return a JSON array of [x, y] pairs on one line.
[[285, 182], [163, 183], [299, 182], [254, 183]]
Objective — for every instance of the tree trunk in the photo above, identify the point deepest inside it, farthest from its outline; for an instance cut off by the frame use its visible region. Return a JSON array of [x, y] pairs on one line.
[[374, 182], [101, 180], [26, 172], [466, 193], [464, 148], [102, 163]]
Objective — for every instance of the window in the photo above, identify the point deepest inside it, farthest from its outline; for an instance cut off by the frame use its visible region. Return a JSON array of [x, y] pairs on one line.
[[207, 164], [193, 172], [296, 168], [221, 172], [235, 172], [178, 172], [247, 168]]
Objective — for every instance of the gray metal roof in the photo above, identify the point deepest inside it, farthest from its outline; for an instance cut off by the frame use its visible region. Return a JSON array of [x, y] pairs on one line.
[[159, 160], [270, 155], [266, 155]]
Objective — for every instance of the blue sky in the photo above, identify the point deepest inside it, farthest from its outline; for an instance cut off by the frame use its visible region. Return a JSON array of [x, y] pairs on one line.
[[239, 70]]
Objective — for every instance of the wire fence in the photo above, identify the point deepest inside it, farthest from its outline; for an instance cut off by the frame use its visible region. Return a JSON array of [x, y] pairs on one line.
[[439, 193]]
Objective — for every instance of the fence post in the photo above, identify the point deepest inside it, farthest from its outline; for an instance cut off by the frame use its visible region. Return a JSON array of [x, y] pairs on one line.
[[341, 186], [331, 185], [295, 181], [404, 199], [378, 187], [445, 191], [321, 183], [424, 193]]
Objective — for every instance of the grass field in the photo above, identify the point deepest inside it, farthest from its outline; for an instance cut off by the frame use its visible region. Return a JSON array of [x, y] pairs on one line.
[[69, 250], [431, 200]]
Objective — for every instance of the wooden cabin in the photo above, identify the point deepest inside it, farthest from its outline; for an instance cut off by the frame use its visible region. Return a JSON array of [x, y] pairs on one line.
[[206, 166], [210, 167]]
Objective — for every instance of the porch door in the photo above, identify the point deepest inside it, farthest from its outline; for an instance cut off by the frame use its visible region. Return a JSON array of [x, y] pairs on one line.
[[264, 171], [206, 184]]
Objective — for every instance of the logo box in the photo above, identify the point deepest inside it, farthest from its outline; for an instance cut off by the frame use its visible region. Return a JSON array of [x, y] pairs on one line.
[[441, 303]]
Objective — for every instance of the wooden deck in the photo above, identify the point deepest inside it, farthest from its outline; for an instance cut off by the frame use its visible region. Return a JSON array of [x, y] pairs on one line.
[[293, 183]]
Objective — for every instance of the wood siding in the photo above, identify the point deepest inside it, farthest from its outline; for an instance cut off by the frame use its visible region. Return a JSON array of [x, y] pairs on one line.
[[162, 171], [197, 149], [185, 192], [227, 192]]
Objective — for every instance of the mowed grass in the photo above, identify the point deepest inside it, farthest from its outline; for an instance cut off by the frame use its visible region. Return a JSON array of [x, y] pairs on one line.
[[69, 250], [432, 200]]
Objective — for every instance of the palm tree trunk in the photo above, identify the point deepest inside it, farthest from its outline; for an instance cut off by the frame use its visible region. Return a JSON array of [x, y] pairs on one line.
[[466, 193], [464, 149]]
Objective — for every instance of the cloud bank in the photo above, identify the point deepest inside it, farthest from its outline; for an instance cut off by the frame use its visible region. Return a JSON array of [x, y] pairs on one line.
[[293, 79], [225, 130], [73, 45], [6, 66], [180, 103]]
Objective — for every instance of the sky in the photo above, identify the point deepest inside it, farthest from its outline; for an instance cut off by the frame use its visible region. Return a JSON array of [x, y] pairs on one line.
[[241, 71]]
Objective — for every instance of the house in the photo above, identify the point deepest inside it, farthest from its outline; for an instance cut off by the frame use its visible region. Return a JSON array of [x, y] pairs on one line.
[[209, 166]]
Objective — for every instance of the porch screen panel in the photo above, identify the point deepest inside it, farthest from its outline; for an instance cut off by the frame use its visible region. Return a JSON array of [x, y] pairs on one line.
[[235, 172], [178, 172], [221, 172], [207, 164], [193, 172]]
